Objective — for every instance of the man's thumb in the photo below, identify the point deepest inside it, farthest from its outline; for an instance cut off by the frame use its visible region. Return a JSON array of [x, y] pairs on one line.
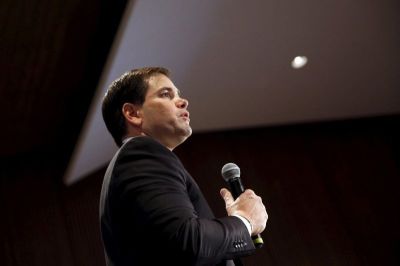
[[227, 196]]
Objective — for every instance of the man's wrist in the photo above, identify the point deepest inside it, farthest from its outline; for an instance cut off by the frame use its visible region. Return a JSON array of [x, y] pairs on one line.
[[246, 223]]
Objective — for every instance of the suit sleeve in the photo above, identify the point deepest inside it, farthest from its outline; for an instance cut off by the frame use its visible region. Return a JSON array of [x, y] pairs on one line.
[[152, 186]]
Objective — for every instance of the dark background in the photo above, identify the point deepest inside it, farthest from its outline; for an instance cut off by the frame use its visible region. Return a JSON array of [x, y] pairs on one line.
[[330, 188]]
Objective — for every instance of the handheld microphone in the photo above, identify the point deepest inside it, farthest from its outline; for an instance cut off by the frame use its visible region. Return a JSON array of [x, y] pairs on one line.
[[231, 174]]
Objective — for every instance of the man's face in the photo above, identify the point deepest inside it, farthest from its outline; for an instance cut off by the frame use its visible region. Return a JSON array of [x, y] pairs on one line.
[[164, 113]]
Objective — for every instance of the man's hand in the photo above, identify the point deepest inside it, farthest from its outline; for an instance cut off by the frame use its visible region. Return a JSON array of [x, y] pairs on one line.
[[249, 206]]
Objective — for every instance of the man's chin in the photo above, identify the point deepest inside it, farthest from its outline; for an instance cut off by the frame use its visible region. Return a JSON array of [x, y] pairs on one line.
[[186, 132], [189, 131]]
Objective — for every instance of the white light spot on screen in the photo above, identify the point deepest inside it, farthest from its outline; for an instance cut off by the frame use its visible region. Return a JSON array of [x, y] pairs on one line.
[[299, 62]]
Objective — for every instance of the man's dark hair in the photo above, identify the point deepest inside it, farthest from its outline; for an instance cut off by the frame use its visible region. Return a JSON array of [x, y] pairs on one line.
[[131, 87]]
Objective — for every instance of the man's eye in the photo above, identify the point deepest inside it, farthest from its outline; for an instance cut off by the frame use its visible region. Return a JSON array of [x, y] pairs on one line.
[[166, 94]]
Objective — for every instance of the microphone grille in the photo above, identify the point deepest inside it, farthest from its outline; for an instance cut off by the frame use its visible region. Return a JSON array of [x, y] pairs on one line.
[[230, 171]]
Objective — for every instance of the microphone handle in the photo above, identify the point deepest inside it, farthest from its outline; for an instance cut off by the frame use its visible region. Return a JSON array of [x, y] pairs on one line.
[[236, 188]]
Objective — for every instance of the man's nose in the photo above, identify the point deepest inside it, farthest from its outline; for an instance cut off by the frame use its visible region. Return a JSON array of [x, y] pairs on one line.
[[182, 103]]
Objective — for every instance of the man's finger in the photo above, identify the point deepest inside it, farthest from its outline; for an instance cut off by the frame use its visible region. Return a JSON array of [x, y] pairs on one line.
[[227, 196]]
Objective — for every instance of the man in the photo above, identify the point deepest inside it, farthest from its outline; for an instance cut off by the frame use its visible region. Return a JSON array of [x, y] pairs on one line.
[[151, 210]]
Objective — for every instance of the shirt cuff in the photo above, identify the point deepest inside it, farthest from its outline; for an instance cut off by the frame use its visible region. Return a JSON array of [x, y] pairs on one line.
[[245, 221]]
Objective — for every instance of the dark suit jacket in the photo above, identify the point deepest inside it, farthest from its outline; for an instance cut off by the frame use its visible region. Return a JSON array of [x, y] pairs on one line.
[[152, 212]]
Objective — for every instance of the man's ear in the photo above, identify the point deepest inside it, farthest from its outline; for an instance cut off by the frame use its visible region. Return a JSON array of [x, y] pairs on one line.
[[131, 113]]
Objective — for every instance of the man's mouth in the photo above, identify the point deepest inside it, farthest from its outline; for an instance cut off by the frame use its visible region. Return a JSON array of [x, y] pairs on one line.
[[185, 116]]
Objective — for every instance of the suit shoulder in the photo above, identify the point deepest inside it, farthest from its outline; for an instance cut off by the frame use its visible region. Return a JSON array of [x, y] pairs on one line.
[[144, 143], [144, 151]]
